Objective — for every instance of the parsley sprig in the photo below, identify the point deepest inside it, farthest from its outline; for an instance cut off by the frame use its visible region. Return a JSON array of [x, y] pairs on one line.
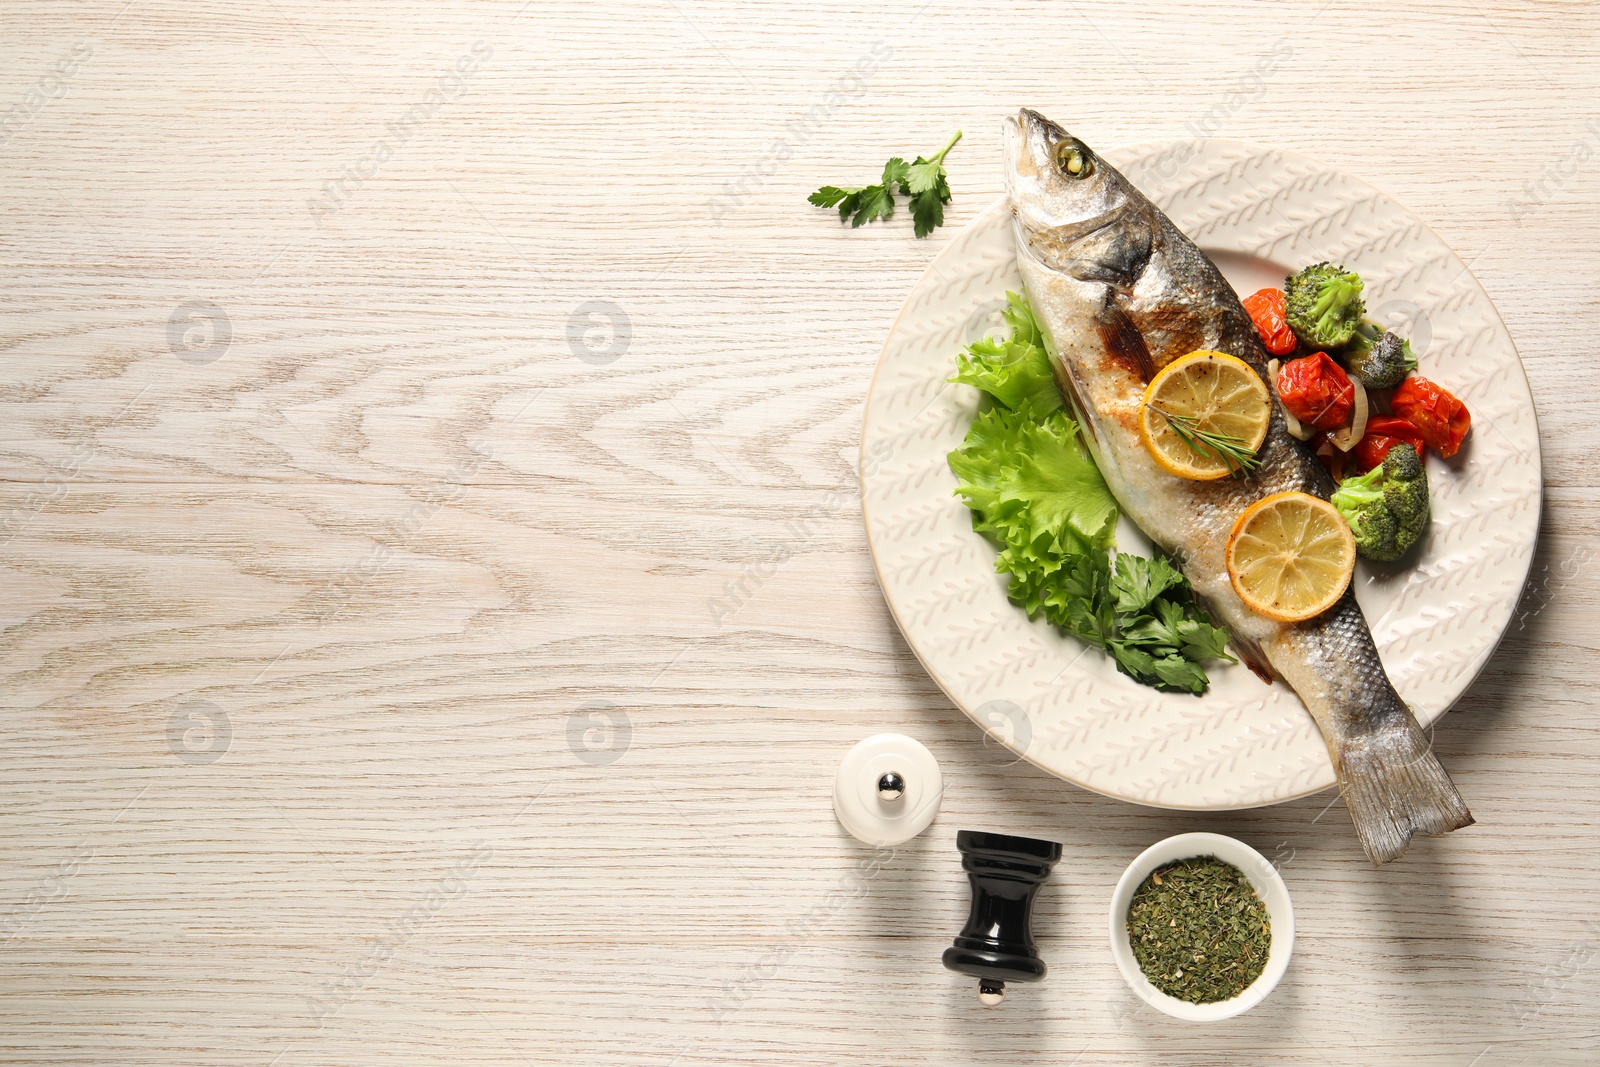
[[924, 182]]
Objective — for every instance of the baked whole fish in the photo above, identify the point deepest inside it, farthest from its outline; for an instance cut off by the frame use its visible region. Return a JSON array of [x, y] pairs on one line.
[[1119, 293]]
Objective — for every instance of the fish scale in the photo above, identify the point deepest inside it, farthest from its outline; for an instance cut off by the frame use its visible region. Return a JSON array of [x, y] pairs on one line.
[[1119, 292]]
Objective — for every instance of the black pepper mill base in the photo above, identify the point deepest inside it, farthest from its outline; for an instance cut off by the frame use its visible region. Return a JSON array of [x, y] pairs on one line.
[[996, 945]]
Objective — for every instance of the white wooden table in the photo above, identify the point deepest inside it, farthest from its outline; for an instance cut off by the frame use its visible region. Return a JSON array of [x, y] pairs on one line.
[[372, 690]]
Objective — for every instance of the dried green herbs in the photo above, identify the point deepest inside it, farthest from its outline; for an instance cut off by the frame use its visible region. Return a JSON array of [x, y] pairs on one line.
[[1198, 930]]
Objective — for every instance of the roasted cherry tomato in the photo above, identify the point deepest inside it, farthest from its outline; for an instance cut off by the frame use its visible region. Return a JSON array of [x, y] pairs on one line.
[[1440, 418], [1383, 433], [1317, 391], [1267, 312]]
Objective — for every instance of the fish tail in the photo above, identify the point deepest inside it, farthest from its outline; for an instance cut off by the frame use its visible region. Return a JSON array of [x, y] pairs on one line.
[[1395, 787]]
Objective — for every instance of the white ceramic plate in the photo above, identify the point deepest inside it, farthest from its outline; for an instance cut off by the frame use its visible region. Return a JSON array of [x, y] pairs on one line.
[[1260, 214]]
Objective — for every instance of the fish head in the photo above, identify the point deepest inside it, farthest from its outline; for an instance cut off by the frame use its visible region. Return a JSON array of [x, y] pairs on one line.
[[1055, 181], [1073, 210]]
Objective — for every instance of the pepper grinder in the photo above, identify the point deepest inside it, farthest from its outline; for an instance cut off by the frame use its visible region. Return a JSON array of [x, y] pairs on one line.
[[996, 945]]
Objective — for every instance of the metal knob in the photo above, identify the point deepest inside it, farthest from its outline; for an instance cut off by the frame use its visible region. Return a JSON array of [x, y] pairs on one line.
[[887, 789], [991, 993]]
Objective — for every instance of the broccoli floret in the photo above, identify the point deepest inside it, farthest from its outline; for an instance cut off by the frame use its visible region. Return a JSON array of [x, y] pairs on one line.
[[1323, 305], [1387, 508], [1384, 363]]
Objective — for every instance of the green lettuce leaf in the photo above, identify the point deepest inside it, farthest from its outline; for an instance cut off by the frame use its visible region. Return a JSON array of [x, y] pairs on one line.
[[1015, 371], [1054, 487], [990, 446]]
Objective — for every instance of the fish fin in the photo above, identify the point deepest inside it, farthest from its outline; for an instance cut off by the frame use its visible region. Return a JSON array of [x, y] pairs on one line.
[[1069, 388], [1123, 341], [1395, 787], [1252, 655]]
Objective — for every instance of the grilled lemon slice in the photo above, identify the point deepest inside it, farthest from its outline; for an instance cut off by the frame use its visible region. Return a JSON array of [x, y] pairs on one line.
[[1290, 556], [1205, 415]]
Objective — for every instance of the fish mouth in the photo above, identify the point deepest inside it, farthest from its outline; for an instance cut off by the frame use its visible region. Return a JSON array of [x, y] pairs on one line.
[[1020, 161], [1008, 147]]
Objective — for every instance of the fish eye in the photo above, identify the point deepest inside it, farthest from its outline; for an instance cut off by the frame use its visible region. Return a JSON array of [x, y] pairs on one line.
[[1073, 160]]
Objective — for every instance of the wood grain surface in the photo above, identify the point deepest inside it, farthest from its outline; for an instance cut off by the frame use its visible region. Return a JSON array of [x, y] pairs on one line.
[[404, 406]]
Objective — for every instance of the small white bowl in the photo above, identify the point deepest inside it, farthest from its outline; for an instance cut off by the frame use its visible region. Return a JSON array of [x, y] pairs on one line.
[[1266, 881]]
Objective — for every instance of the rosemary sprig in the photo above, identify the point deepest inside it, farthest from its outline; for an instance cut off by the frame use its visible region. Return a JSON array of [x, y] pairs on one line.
[[1230, 449]]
